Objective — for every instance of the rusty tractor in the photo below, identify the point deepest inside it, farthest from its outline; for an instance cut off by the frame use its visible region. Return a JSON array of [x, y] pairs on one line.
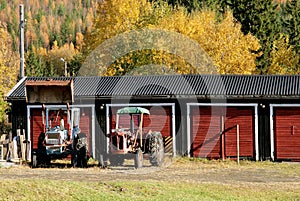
[[132, 142]]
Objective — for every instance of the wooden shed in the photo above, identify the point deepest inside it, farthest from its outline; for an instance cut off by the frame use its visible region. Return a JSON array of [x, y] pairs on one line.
[[210, 116]]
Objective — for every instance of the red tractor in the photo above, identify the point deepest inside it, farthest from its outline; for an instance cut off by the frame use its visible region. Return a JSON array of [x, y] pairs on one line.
[[132, 142]]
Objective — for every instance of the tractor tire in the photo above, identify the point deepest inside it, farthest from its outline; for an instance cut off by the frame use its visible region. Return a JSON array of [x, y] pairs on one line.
[[34, 161], [156, 149], [74, 159], [48, 161], [83, 158], [116, 160], [138, 159], [79, 158], [80, 153]]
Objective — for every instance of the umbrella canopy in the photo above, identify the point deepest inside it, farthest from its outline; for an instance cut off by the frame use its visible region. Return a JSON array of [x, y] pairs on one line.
[[133, 110]]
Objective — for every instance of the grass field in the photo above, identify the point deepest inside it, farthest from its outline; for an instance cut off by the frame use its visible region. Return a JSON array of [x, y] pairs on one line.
[[183, 179]]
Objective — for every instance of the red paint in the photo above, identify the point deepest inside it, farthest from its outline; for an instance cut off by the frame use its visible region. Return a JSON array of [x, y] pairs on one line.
[[286, 133], [207, 126]]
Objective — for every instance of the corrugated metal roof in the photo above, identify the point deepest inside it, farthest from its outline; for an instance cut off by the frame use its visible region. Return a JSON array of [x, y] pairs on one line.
[[235, 86]]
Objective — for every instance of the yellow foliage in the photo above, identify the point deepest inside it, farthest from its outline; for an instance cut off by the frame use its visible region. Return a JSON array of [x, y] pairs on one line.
[[283, 58], [224, 42], [79, 40], [231, 51], [8, 69], [117, 17], [53, 56]]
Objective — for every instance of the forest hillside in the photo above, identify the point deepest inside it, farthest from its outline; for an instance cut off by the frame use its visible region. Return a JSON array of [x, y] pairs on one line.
[[239, 36]]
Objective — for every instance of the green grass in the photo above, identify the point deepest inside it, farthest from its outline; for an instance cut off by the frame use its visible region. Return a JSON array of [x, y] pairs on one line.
[[120, 188], [130, 190]]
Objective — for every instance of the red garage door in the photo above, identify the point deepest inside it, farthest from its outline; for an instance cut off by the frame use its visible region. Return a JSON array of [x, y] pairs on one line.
[[209, 125], [287, 133]]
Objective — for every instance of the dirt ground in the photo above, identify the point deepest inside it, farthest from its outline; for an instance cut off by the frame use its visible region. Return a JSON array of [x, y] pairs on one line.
[[173, 170]]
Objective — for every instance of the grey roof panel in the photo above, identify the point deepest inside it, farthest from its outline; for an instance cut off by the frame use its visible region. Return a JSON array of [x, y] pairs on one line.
[[265, 86]]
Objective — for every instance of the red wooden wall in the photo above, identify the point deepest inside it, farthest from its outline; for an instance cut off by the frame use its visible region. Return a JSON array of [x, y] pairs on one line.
[[244, 117], [205, 130], [287, 133], [85, 124], [206, 126], [36, 126]]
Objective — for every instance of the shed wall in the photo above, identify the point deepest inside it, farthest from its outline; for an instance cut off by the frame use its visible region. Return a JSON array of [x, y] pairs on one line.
[[287, 133], [208, 126]]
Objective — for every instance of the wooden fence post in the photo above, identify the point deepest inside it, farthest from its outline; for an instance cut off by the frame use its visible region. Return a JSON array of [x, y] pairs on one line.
[[238, 142]]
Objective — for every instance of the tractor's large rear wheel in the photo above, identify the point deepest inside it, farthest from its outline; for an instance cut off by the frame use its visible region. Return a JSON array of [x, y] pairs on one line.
[[156, 149], [80, 153], [138, 159], [74, 159]]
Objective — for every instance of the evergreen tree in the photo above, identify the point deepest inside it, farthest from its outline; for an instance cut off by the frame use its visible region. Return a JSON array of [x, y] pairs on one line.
[[35, 65], [291, 22], [47, 21], [262, 19], [283, 58]]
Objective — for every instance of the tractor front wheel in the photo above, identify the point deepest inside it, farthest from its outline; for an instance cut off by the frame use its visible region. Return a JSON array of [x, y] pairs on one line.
[[138, 159], [34, 161]]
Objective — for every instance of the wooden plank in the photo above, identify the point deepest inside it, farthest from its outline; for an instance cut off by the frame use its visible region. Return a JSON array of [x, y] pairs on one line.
[[242, 116], [37, 126], [206, 133], [287, 133], [23, 155]]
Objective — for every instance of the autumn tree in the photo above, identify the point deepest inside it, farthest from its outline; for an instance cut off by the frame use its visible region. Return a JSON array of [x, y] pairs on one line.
[[8, 69], [115, 17], [193, 5], [262, 19], [48, 21], [222, 39], [283, 58], [231, 50]]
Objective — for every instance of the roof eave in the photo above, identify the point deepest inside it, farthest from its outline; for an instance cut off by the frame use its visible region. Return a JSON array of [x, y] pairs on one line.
[[15, 87]]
